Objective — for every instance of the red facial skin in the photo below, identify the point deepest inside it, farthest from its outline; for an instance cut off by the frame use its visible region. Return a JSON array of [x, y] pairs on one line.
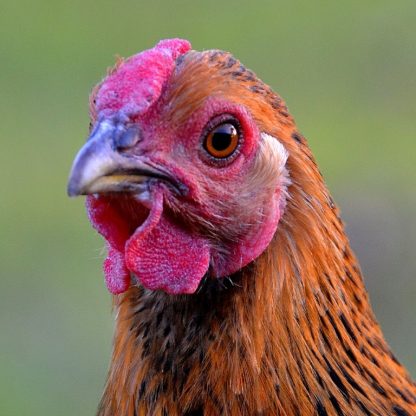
[[216, 224]]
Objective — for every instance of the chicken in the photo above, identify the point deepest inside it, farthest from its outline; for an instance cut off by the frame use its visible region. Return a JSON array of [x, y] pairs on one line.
[[235, 288]]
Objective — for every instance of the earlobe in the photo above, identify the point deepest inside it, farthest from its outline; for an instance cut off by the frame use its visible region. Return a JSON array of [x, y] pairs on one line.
[[272, 163], [275, 149], [269, 170]]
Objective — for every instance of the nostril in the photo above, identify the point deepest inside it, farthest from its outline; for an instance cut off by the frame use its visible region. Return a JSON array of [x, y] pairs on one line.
[[127, 138]]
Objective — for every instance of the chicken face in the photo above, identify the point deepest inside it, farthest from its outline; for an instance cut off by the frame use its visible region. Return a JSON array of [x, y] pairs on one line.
[[182, 181]]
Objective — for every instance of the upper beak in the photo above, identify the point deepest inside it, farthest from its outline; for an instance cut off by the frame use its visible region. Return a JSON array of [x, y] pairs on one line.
[[102, 164]]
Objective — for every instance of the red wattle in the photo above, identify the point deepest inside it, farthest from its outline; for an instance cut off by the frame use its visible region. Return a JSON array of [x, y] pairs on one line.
[[163, 255], [117, 277]]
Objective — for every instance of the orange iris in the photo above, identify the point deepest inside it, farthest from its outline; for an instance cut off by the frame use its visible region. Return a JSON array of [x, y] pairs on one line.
[[222, 141]]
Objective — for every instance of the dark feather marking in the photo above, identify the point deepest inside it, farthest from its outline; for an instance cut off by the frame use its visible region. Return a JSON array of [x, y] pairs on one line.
[[351, 356], [348, 328], [321, 409], [142, 388], [304, 381], [319, 378], [215, 400], [236, 74], [393, 357], [297, 137], [350, 277], [335, 326], [141, 309], [146, 330], [400, 411], [167, 364], [164, 386], [336, 379], [357, 299], [195, 412], [363, 408], [230, 62], [185, 373], [275, 105], [191, 350], [249, 76], [406, 396], [336, 405], [158, 362], [325, 339], [214, 56], [159, 318], [166, 330], [256, 89], [352, 383], [146, 349], [376, 385], [374, 360], [154, 395]]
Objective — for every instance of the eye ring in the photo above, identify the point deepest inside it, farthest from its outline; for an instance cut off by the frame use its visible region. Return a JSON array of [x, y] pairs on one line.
[[222, 139]]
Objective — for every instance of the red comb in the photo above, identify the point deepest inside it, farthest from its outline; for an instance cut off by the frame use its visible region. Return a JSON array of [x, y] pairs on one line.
[[138, 82]]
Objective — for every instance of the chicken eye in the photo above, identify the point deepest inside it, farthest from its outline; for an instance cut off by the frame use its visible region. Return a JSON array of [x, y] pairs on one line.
[[222, 141]]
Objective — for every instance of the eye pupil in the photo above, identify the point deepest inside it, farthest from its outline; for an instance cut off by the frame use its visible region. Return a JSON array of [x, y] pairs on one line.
[[222, 141], [221, 138]]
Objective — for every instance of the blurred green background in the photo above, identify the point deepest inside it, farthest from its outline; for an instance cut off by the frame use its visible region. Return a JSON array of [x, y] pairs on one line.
[[348, 73]]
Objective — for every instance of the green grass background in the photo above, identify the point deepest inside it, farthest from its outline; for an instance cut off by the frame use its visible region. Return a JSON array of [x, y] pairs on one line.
[[348, 73]]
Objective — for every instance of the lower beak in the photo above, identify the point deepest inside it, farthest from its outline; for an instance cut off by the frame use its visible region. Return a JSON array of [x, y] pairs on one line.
[[101, 167]]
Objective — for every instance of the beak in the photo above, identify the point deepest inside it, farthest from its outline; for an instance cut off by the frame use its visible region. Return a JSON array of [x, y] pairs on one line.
[[102, 164]]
